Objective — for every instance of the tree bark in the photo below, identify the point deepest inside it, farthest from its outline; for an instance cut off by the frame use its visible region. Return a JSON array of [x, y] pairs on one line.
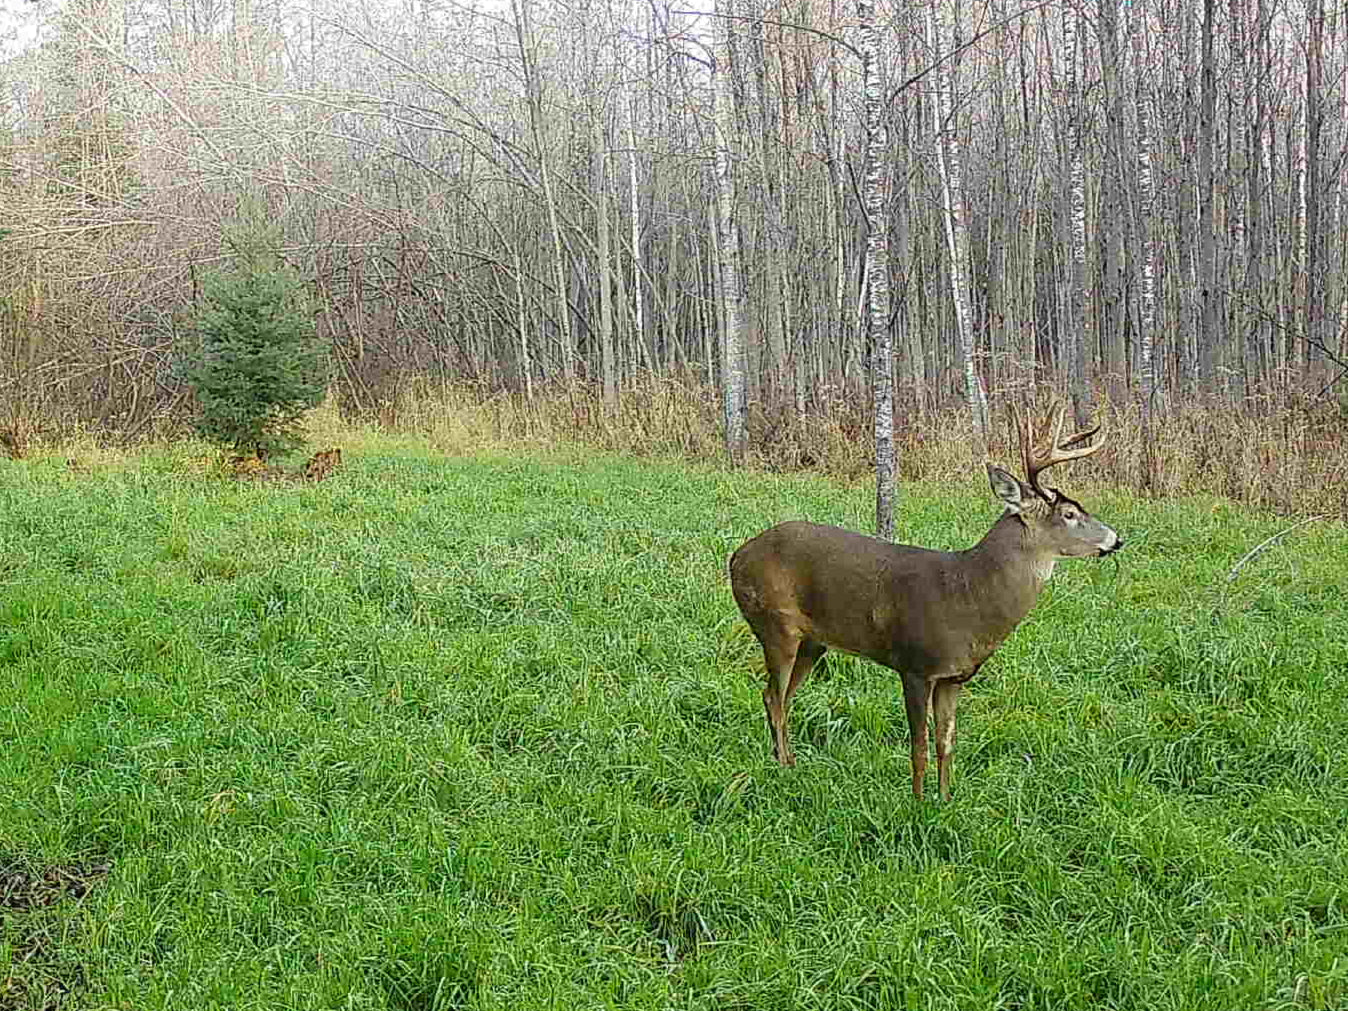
[[634, 213], [874, 187], [1078, 344], [728, 251], [599, 183], [1210, 339], [1146, 257], [951, 170], [1313, 316], [1113, 303], [534, 87]]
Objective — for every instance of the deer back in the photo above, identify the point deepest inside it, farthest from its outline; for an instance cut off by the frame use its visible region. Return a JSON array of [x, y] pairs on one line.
[[912, 609]]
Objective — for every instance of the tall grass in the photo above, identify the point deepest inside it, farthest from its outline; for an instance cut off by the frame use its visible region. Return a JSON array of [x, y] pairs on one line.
[[484, 731], [1285, 453], [1289, 457]]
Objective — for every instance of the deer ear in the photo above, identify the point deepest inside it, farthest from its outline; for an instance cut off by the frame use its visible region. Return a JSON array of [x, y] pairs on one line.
[[1006, 487]]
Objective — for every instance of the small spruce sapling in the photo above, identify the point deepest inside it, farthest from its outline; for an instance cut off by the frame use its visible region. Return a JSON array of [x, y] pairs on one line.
[[258, 363]]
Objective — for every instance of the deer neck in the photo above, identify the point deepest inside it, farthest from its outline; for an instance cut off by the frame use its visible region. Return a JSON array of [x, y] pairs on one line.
[[1009, 566]]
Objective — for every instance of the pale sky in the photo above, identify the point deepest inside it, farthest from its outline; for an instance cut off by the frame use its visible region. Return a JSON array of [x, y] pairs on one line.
[[18, 25]]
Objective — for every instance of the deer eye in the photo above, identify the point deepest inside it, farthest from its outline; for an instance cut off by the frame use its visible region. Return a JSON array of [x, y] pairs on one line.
[[1069, 514]]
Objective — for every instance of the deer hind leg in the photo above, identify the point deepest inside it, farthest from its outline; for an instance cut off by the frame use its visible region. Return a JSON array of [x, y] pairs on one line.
[[917, 692], [945, 696], [807, 654], [779, 655]]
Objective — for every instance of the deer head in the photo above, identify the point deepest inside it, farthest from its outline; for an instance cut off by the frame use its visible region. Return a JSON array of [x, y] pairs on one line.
[[1062, 524]]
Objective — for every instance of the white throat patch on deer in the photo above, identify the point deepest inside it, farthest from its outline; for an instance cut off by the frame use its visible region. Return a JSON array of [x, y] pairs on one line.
[[931, 616]]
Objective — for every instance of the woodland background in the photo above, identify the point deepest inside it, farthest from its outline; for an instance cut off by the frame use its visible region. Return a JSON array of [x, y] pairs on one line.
[[515, 204]]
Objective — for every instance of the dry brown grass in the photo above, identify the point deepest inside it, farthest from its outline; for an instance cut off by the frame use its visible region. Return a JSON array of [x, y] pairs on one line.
[[1289, 459]]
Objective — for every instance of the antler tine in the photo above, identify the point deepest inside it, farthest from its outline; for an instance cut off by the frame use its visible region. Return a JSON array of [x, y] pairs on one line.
[[1056, 450], [1057, 417]]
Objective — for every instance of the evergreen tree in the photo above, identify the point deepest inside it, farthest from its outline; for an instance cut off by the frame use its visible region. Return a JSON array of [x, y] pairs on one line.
[[258, 363]]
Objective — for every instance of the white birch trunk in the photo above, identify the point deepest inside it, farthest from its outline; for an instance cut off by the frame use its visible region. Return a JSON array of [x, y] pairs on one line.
[[771, 207], [1209, 357], [1146, 253], [604, 254], [1237, 170], [534, 87], [1078, 343], [1313, 325], [874, 187], [732, 341], [638, 295], [1341, 220], [1113, 227], [956, 227]]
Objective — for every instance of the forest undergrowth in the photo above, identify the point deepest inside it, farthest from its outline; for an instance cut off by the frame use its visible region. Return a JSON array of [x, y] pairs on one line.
[[1286, 455]]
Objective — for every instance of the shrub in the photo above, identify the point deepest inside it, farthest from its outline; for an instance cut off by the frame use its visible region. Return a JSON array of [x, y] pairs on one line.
[[258, 363]]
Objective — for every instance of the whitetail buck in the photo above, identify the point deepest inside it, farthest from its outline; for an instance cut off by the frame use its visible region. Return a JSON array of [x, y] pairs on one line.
[[933, 617]]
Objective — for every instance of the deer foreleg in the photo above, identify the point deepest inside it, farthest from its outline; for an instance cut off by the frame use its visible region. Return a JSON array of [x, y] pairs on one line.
[[945, 696], [916, 698]]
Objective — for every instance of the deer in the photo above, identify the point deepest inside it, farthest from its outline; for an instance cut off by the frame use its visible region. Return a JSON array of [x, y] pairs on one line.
[[933, 617]]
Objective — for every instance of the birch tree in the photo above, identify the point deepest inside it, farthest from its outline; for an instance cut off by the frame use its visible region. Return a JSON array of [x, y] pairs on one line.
[[1209, 337], [1076, 336], [1313, 317], [1113, 222], [1256, 280], [1144, 201], [951, 170], [634, 237], [876, 272], [772, 202], [534, 90], [599, 156], [1239, 319], [728, 247]]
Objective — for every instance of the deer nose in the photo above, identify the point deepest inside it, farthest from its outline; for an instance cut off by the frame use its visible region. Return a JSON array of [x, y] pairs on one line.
[[1118, 543]]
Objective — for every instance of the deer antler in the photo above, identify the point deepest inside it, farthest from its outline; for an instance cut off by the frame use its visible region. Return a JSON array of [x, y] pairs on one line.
[[1053, 450]]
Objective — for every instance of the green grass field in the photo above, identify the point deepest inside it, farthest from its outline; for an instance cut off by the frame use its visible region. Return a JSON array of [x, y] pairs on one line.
[[487, 733]]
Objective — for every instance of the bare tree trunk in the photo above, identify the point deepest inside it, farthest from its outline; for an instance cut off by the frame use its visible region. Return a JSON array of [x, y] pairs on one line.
[[1312, 327], [1177, 166], [956, 227], [525, 38], [1237, 315], [877, 272], [773, 209], [1256, 182], [522, 325], [1033, 240], [1340, 347], [1146, 256], [1114, 305], [910, 337], [1210, 338], [834, 137], [638, 295], [608, 364], [1078, 343], [728, 248]]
